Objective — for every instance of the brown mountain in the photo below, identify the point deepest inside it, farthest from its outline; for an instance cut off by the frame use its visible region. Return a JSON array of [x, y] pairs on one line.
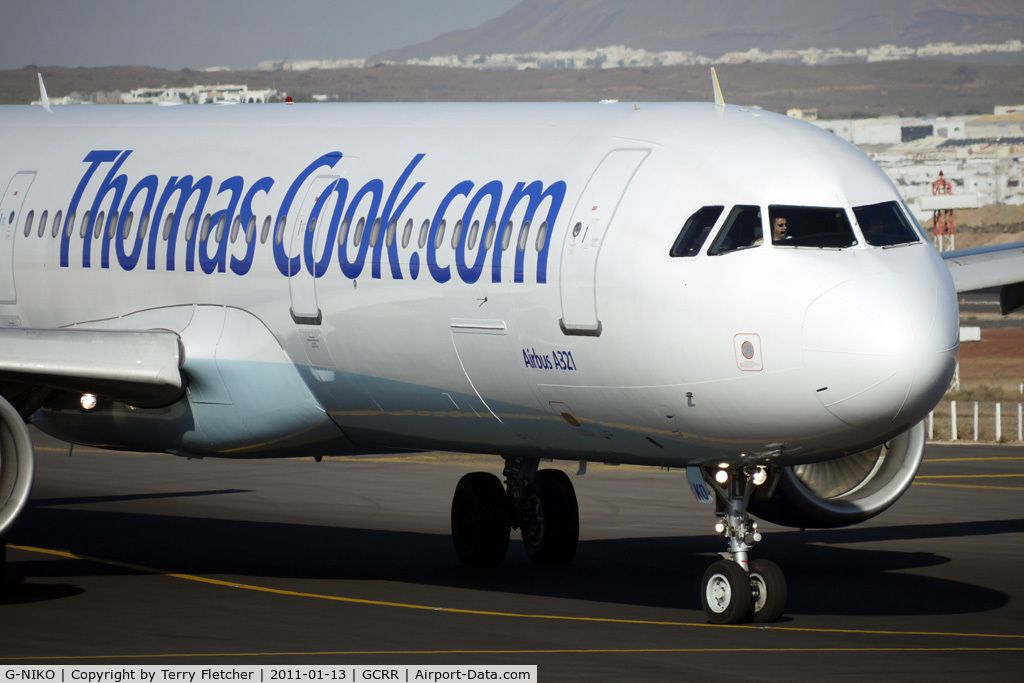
[[715, 27]]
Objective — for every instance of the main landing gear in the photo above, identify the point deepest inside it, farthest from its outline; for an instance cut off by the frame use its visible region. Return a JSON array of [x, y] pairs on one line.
[[540, 503], [734, 589]]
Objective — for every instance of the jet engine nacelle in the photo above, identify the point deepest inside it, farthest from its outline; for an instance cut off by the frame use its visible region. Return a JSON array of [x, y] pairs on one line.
[[846, 490], [17, 464]]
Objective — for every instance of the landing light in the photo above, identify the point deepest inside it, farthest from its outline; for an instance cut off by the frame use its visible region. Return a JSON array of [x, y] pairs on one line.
[[759, 477], [722, 476], [88, 401]]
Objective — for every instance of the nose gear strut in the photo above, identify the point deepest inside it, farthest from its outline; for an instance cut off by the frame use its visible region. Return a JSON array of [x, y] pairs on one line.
[[735, 588]]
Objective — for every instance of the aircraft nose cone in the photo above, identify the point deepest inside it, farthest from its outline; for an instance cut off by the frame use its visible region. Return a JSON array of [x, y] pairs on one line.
[[880, 350]]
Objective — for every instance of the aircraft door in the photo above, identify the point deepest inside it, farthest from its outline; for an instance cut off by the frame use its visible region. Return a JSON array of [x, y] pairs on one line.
[[590, 221], [10, 216], [308, 241]]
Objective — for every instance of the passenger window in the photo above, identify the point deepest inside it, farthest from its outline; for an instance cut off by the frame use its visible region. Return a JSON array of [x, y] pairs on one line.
[[742, 230], [695, 231], [250, 230], [190, 227], [375, 233], [236, 225], [112, 224], [42, 224], [524, 234], [265, 232], [357, 234], [279, 231], [439, 238], [542, 236], [343, 230], [506, 239], [70, 230], [127, 230], [56, 223], [28, 222], [143, 225], [407, 233], [222, 224], [456, 233], [389, 239], [168, 222], [885, 225], [489, 237], [85, 224], [424, 231], [98, 227], [471, 239], [810, 226]]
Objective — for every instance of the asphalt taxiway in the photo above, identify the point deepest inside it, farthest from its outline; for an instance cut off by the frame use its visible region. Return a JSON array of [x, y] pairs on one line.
[[159, 560]]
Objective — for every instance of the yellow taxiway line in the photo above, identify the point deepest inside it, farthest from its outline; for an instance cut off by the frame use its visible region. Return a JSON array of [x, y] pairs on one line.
[[515, 615]]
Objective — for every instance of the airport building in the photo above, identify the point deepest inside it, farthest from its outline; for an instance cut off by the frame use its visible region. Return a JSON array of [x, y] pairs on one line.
[[199, 94], [981, 156]]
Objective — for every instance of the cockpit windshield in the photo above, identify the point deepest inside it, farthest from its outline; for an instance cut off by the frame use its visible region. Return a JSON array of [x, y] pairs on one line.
[[741, 230], [810, 226], [885, 224], [695, 231]]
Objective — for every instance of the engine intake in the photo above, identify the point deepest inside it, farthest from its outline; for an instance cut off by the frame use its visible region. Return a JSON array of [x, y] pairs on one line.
[[846, 490], [17, 464]]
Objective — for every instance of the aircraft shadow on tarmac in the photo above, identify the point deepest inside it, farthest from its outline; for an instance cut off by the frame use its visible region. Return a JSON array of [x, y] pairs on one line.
[[824, 577]]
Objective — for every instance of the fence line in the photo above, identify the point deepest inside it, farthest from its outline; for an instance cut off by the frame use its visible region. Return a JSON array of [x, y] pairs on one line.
[[986, 420]]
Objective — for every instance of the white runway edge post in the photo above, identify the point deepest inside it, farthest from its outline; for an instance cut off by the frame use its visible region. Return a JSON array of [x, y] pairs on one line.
[[975, 420], [952, 420], [999, 422]]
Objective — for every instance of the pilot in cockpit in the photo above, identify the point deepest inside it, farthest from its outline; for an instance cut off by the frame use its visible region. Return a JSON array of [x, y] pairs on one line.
[[780, 226]]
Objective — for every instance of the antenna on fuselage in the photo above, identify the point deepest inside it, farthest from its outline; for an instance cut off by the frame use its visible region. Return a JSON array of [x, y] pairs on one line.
[[44, 99], [719, 100]]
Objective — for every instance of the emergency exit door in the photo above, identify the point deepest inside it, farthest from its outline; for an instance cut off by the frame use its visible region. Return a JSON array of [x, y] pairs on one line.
[[588, 227], [10, 217], [308, 238]]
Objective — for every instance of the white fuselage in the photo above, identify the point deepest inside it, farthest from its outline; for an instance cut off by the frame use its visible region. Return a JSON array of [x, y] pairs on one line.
[[589, 344]]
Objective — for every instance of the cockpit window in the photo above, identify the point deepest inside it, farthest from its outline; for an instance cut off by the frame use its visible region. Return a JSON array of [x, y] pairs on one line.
[[885, 225], [695, 231], [742, 230], [810, 226]]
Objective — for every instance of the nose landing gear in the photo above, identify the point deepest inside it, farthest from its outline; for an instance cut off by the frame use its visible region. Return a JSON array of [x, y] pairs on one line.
[[734, 589]]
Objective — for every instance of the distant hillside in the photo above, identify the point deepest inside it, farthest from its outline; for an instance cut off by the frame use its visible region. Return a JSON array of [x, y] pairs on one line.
[[715, 27], [846, 90]]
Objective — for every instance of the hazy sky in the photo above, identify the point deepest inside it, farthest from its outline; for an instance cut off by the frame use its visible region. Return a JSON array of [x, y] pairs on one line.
[[175, 34]]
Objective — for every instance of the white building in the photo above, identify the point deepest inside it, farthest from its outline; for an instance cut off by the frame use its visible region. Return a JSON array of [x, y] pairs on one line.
[[886, 130], [199, 94]]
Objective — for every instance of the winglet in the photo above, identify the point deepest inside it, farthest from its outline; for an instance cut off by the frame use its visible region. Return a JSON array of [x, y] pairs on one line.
[[43, 97], [719, 100]]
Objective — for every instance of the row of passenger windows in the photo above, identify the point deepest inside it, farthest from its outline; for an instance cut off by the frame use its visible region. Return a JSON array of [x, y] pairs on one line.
[[472, 237], [218, 231], [883, 225]]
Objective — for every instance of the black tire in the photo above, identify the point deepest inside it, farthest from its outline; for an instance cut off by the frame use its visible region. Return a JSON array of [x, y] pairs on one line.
[[551, 531], [480, 520], [768, 591], [725, 593]]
